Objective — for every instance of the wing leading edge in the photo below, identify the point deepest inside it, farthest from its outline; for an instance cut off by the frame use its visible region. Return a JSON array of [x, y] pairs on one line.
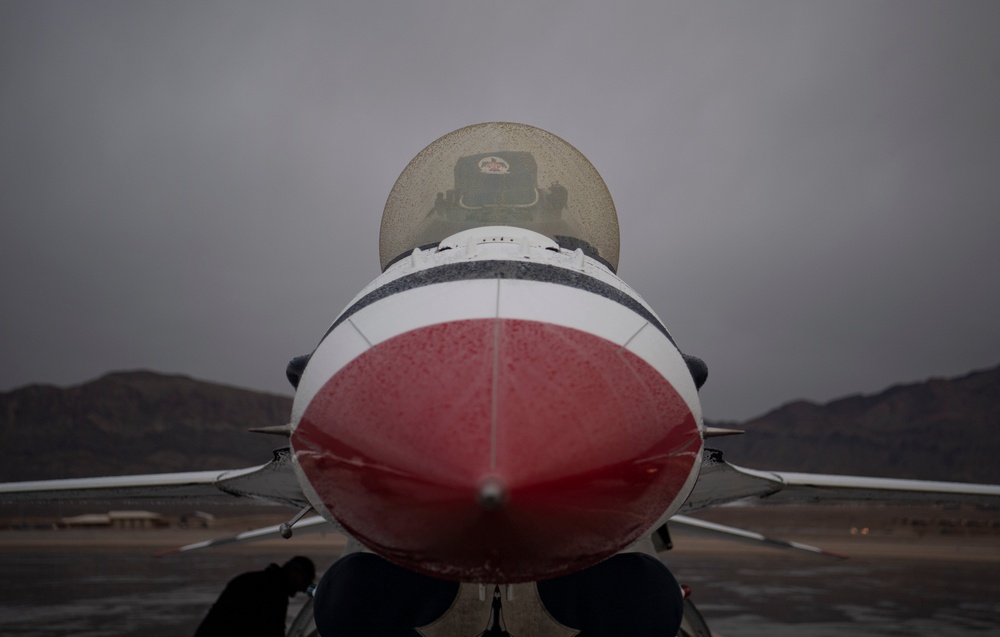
[[274, 482], [721, 482]]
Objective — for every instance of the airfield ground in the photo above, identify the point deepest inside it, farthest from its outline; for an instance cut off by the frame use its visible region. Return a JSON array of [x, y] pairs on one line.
[[919, 571], [912, 532]]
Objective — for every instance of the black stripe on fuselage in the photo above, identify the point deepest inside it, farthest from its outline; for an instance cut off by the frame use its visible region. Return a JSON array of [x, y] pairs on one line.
[[501, 269]]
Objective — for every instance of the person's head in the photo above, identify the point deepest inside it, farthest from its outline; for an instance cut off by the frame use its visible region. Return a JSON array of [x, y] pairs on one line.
[[299, 574]]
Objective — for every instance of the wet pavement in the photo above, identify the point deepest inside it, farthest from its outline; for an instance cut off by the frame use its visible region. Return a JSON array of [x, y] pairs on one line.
[[108, 592], [780, 595], [123, 591]]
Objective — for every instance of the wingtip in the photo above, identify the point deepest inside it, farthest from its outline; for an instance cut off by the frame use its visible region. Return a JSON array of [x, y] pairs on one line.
[[715, 432], [276, 430], [839, 556]]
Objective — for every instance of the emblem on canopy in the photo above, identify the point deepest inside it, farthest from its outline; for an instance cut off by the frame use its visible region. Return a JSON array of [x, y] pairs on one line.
[[494, 166]]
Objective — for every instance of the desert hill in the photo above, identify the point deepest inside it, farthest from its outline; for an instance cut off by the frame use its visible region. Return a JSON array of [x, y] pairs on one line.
[[134, 422], [941, 429]]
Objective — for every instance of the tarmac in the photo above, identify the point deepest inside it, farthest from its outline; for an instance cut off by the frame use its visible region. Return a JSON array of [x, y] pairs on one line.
[[910, 570]]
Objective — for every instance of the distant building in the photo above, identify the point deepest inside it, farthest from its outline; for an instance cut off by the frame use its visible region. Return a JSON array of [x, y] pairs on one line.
[[197, 519], [86, 521], [116, 520]]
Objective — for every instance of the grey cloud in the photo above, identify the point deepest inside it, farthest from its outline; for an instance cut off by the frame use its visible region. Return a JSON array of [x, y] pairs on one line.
[[807, 191]]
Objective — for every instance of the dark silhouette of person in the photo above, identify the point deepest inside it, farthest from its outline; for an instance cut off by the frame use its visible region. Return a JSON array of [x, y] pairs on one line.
[[255, 604]]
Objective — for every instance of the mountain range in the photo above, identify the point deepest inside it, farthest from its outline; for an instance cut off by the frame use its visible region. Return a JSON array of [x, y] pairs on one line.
[[940, 429], [144, 422], [135, 422]]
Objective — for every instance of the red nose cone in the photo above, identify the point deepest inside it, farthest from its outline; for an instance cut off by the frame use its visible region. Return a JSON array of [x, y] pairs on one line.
[[497, 450]]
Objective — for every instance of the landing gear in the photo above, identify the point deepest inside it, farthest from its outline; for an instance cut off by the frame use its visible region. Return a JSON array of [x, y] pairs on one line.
[[304, 624], [627, 594], [692, 623]]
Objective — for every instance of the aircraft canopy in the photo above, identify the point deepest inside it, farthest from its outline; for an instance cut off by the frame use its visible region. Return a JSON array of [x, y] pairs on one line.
[[500, 174]]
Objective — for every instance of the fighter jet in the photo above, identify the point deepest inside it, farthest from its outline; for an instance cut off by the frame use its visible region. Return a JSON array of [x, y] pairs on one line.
[[499, 424]]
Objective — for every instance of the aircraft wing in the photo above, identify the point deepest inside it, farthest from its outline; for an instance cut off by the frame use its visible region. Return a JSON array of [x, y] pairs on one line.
[[274, 482], [721, 482], [714, 529]]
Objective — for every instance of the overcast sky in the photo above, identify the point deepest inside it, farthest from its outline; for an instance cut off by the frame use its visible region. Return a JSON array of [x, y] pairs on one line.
[[808, 192]]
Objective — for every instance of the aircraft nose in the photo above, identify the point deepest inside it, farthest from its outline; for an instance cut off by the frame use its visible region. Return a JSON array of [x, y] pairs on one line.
[[497, 449]]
